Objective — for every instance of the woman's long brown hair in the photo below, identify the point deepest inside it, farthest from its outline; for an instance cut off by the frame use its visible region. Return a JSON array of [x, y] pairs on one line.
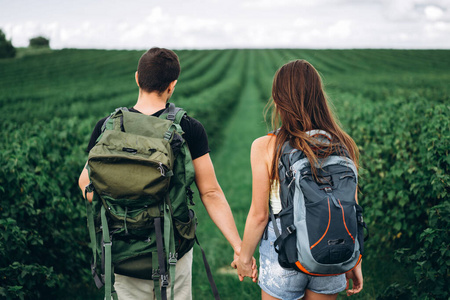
[[299, 104]]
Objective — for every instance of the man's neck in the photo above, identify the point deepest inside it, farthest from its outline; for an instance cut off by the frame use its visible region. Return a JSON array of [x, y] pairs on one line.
[[149, 103]]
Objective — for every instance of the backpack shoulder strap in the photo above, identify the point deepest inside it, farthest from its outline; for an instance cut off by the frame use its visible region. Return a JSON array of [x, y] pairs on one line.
[[109, 122], [119, 109], [173, 113], [179, 115]]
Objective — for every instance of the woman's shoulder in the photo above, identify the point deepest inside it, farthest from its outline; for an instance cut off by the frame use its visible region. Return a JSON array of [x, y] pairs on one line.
[[263, 147], [264, 141]]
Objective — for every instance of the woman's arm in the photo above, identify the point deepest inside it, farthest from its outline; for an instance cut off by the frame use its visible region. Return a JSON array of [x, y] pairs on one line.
[[356, 274], [259, 210], [357, 278]]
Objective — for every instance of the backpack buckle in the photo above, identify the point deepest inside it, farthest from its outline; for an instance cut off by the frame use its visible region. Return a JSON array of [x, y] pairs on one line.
[[168, 135], [89, 188], [164, 280], [155, 274], [173, 258], [360, 219], [291, 229]]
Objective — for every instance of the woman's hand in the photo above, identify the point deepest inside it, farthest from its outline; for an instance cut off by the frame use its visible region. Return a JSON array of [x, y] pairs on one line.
[[245, 268], [357, 278]]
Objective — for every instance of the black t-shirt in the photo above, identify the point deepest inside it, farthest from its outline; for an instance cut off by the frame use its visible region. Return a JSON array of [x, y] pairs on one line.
[[194, 134]]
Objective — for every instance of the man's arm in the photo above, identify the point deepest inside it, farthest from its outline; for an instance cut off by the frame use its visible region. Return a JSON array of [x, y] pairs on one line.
[[214, 200], [211, 195]]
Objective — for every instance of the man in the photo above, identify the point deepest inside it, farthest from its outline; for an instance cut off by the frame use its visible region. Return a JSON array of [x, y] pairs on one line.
[[156, 77]]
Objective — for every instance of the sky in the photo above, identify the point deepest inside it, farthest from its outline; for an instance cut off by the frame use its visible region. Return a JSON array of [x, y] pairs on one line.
[[219, 24]]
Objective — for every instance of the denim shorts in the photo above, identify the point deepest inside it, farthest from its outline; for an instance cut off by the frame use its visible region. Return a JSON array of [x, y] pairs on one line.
[[289, 284]]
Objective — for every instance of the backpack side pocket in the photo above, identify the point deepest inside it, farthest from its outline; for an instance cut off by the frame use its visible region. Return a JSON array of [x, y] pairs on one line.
[[361, 226], [286, 243]]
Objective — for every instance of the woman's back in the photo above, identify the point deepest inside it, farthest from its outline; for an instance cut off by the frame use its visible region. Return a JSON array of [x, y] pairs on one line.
[[299, 105]]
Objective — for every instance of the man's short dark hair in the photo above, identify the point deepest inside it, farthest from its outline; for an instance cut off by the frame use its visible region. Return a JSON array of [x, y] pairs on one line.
[[157, 68]]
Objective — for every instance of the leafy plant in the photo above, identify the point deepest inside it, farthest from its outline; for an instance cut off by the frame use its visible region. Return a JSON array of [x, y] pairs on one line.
[[7, 50], [394, 103], [431, 261], [39, 42], [42, 233]]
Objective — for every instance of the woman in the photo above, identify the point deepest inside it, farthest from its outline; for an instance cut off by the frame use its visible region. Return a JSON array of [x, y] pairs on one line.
[[300, 106]]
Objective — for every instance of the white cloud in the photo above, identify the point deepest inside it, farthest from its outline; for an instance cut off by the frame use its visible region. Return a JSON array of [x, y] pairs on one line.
[[267, 3], [236, 23], [21, 33], [123, 26], [156, 16], [302, 23], [186, 24], [437, 30], [341, 29], [401, 10], [433, 13], [271, 4], [416, 10]]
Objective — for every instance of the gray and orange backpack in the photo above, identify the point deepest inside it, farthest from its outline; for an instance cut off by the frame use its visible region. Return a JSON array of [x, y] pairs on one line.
[[321, 223]]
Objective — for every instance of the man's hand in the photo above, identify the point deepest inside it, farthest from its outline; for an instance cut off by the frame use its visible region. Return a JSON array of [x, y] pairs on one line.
[[83, 181], [245, 269]]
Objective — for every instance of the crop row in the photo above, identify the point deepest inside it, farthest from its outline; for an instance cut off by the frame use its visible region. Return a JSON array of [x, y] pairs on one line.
[[70, 83], [42, 226], [208, 77], [199, 65], [213, 105], [394, 103]]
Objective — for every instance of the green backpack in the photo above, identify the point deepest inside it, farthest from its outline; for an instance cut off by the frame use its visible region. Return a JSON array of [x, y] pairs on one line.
[[139, 221]]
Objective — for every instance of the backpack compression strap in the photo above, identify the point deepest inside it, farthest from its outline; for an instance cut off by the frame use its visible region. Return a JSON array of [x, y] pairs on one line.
[[107, 257], [175, 114], [208, 272], [160, 261], [169, 243], [93, 244]]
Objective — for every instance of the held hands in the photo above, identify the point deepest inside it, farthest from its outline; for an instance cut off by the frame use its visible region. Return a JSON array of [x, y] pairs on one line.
[[245, 268], [357, 278]]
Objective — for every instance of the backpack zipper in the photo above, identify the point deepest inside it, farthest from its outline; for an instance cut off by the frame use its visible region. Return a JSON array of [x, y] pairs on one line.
[[291, 173], [162, 169]]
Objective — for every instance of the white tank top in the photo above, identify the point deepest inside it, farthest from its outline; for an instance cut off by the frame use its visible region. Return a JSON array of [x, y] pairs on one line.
[[274, 198]]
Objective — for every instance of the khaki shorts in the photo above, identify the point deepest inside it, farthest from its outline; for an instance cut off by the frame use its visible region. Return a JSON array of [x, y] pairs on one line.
[[129, 288]]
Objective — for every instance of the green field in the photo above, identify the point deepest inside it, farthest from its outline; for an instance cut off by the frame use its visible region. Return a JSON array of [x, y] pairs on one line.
[[394, 103]]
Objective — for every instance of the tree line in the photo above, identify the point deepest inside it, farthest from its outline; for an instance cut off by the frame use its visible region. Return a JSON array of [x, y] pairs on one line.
[[7, 50]]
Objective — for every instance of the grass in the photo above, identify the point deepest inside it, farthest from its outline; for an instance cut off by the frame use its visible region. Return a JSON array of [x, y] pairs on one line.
[[232, 165], [365, 85], [21, 52]]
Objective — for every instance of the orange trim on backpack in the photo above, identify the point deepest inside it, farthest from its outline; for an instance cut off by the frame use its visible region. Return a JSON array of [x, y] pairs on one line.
[[329, 221], [301, 268], [324, 135], [343, 217]]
